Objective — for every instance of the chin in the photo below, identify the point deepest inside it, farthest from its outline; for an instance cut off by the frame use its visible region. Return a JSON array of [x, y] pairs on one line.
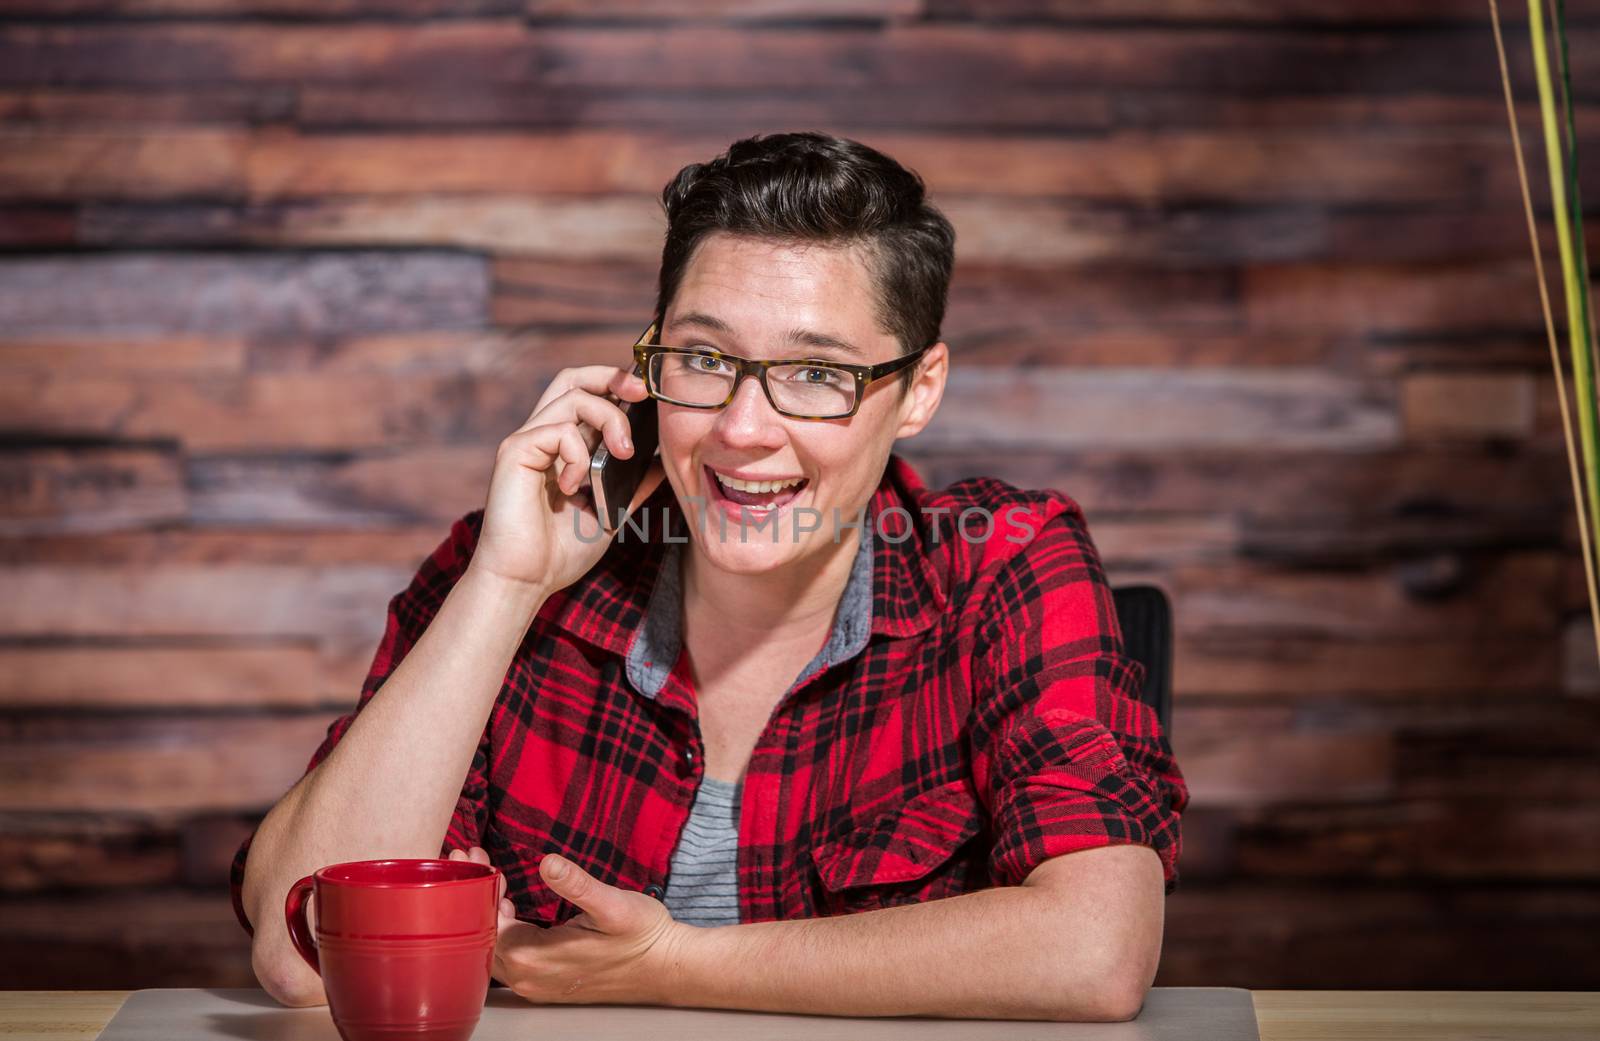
[[756, 556]]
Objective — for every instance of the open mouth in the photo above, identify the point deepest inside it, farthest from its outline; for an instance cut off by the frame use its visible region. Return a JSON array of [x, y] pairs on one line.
[[762, 496]]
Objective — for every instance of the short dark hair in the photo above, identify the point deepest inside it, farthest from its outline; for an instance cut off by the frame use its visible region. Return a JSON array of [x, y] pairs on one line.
[[807, 187]]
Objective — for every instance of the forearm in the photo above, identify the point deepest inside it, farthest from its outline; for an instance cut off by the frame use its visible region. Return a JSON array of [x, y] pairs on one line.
[[390, 786], [1002, 953]]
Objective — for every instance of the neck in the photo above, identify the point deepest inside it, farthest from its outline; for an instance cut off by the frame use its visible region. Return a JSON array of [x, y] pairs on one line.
[[786, 607]]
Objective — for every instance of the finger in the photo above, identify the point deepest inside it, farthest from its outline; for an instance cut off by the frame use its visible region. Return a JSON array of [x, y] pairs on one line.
[[507, 909], [593, 414], [537, 448], [478, 855], [628, 387], [611, 908], [575, 456], [456, 854], [559, 446], [596, 379]]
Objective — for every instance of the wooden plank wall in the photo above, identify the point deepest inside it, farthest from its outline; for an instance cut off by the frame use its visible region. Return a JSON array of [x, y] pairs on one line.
[[1248, 279]]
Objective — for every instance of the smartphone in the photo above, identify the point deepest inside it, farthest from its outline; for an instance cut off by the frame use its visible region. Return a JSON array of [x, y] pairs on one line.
[[613, 481]]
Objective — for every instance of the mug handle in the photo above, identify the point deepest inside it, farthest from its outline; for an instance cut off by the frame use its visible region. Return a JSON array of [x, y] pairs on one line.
[[294, 909]]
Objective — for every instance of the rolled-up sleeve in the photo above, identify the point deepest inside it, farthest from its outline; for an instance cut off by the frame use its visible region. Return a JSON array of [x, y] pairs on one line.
[[1066, 755], [410, 613]]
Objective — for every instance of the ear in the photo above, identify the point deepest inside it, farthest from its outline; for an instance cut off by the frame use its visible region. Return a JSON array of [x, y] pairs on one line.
[[927, 390]]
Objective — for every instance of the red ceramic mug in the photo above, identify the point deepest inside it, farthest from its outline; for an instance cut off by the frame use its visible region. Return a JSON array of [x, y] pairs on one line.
[[404, 947]]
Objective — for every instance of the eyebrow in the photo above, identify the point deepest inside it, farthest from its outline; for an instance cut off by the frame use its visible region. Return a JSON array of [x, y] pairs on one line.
[[808, 337]]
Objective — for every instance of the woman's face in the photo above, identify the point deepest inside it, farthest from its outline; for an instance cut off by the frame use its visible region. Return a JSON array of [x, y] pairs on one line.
[[757, 299]]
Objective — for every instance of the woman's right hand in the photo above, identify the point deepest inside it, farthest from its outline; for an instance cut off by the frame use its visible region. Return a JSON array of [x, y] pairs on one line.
[[538, 504]]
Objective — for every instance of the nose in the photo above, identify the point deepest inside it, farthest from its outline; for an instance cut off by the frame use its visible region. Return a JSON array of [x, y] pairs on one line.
[[749, 420]]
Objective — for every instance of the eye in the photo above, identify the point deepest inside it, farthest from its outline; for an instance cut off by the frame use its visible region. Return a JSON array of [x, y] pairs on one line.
[[819, 377], [706, 363]]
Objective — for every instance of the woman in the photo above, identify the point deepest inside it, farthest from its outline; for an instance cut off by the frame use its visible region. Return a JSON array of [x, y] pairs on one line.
[[750, 754]]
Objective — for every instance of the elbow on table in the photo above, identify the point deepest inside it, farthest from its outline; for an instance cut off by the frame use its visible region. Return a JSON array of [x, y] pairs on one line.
[[1121, 1005], [1115, 999], [1120, 997], [287, 978]]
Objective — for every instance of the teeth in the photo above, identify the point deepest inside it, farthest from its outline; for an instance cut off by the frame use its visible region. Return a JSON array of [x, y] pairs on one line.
[[757, 487]]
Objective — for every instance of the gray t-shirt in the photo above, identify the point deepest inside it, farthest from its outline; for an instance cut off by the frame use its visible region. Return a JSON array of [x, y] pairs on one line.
[[703, 888]]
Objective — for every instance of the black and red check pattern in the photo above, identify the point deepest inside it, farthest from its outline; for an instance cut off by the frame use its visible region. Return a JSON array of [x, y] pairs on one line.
[[990, 722]]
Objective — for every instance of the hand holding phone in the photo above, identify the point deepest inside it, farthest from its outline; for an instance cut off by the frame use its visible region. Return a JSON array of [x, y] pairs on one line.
[[613, 480], [539, 528]]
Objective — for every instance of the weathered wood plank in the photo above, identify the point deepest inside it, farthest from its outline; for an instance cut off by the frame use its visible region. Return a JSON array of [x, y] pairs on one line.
[[397, 547], [89, 490], [1483, 838], [1131, 347], [1320, 934], [1467, 404], [37, 227], [734, 114], [1285, 668], [235, 600], [283, 411], [1436, 480], [1580, 674], [536, 291], [425, 485], [311, 294], [105, 355], [1333, 167], [219, 103], [1125, 166], [160, 938], [1206, 12], [962, 105], [1139, 541], [52, 852], [1263, 12], [509, 51], [1014, 231], [1528, 351], [615, 227], [295, 674], [158, 764], [1541, 768], [1477, 298], [38, 164], [1378, 540], [1516, 592], [330, 10], [1068, 410], [1256, 767]]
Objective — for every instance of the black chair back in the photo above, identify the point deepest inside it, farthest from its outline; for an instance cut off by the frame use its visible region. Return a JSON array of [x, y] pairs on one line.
[[1145, 615]]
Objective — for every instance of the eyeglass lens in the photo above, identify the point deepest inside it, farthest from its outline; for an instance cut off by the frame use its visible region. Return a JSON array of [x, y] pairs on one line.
[[801, 389]]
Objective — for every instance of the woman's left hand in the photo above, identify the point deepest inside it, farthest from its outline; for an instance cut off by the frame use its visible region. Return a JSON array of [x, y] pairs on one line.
[[623, 948]]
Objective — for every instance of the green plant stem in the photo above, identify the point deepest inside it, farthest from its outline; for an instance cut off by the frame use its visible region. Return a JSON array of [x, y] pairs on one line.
[[1562, 172]]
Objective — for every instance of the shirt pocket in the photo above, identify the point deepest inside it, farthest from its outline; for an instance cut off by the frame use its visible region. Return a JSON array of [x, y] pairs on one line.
[[906, 855]]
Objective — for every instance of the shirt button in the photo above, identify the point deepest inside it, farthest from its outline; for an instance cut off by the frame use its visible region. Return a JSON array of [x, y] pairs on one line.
[[654, 890]]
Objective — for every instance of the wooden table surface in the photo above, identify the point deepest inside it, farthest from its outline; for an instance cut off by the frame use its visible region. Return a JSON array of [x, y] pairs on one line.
[[1284, 1015]]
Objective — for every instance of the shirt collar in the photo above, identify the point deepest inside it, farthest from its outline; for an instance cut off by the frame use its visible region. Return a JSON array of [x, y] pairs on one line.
[[630, 603], [655, 650]]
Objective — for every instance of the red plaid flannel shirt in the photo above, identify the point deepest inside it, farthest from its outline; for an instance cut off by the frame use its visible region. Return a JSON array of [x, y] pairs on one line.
[[985, 721]]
